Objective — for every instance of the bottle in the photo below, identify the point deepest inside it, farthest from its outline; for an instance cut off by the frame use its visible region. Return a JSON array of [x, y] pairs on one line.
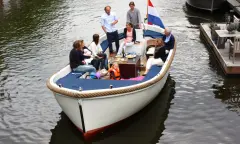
[[138, 72], [227, 44], [123, 53]]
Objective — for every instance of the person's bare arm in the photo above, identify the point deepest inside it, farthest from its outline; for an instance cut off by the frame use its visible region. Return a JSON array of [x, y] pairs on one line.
[[116, 21], [104, 29]]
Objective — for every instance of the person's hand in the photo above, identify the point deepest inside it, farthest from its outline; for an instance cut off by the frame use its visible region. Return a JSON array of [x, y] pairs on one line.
[[113, 23], [140, 26], [166, 51]]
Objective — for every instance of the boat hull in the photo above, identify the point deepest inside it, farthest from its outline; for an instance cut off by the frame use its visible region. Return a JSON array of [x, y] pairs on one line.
[[210, 5]]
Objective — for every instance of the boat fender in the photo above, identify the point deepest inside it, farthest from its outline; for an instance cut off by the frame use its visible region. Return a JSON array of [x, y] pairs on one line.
[[80, 89], [60, 85]]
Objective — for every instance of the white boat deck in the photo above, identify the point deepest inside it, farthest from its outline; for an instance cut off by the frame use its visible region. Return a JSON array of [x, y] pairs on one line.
[[224, 53]]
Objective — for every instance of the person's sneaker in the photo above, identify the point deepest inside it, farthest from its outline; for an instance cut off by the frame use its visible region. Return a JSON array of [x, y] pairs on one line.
[[111, 55]]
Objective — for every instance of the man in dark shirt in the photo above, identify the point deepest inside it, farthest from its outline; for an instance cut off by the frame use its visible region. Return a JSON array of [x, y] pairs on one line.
[[168, 39], [76, 58]]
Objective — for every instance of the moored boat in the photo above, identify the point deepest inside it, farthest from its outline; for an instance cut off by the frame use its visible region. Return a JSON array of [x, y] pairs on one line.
[[93, 105], [210, 5]]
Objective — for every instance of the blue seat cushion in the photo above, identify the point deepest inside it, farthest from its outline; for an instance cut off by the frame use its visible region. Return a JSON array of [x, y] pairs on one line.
[[152, 34], [154, 70], [72, 81], [104, 43]]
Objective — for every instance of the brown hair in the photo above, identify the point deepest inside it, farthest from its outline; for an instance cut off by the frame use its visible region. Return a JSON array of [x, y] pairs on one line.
[[130, 24], [131, 3], [77, 44], [159, 42], [106, 7], [96, 38]]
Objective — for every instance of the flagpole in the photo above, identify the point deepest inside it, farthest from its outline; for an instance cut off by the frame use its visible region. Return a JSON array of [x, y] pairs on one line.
[[147, 7], [147, 10]]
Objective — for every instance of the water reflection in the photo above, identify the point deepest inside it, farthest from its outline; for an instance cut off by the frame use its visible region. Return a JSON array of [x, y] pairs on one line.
[[23, 20], [228, 91], [1, 3], [147, 124], [226, 88]]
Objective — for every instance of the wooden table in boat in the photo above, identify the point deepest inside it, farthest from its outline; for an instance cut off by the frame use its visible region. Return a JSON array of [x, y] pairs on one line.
[[129, 67], [225, 34]]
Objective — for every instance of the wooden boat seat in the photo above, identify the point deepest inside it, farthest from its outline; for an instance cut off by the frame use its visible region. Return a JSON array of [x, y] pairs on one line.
[[234, 48], [72, 81]]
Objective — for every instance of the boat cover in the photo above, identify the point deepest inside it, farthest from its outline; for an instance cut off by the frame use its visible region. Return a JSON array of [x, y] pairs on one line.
[[72, 81]]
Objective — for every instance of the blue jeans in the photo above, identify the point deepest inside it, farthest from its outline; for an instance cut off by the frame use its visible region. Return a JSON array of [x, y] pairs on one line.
[[104, 61], [84, 68]]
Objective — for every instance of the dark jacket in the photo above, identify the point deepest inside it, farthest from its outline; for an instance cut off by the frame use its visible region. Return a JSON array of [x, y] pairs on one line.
[[160, 53], [133, 32], [170, 44], [76, 57]]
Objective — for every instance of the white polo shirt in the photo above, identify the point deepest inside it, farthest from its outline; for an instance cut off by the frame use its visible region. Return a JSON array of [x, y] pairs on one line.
[[106, 21]]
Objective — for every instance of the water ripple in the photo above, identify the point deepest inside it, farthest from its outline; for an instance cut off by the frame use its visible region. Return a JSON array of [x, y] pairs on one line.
[[203, 106]]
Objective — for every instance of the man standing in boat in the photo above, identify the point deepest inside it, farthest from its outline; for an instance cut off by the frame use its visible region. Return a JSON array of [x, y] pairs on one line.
[[108, 22], [134, 16]]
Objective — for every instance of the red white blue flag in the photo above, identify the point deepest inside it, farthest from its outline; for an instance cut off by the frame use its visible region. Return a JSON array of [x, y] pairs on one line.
[[153, 16]]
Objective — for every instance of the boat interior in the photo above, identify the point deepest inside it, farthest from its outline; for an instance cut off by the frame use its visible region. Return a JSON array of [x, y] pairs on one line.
[[79, 81]]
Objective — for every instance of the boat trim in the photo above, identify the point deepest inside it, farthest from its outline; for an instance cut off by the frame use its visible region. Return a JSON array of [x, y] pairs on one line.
[[81, 114]]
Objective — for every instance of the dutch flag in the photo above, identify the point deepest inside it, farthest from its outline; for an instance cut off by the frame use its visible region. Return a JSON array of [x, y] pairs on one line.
[[153, 16]]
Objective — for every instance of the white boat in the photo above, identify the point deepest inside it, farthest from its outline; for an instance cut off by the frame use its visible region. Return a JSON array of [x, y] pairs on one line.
[[96, 106]]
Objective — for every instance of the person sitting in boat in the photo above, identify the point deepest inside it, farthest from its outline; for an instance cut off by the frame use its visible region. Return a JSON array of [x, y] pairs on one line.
[[129, 37], [168, 39], [159, 56], [97, 52], [76, 58], [89, 59], [87, 53], [114, 72]]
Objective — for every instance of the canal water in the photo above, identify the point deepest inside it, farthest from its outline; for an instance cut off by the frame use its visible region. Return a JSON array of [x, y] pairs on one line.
[[198, 105]]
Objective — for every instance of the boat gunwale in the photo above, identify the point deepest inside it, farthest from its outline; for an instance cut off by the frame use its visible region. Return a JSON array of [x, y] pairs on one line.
[[115, 91]]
